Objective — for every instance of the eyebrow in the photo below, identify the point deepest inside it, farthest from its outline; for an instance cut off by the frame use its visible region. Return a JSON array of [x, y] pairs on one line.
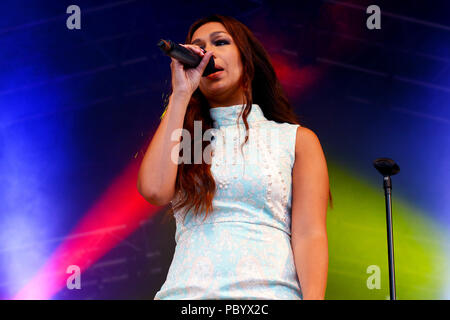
[[211, 35]]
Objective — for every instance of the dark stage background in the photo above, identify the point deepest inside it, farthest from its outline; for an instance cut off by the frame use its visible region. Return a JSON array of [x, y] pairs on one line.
[[79, 107]]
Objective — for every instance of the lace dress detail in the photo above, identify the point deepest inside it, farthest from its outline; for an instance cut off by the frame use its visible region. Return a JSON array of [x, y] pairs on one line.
[[242, 250]]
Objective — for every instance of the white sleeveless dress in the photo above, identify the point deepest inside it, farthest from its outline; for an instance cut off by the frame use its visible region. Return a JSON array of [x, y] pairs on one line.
[[243, 248]]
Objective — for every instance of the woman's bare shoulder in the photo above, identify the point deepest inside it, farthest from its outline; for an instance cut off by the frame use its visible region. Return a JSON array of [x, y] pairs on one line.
[[307, 142]]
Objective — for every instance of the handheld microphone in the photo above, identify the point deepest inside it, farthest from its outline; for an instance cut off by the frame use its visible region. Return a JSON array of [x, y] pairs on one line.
[[185, 56]]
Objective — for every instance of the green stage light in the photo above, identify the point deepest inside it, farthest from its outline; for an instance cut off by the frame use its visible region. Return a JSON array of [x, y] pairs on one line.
[[357, 239]]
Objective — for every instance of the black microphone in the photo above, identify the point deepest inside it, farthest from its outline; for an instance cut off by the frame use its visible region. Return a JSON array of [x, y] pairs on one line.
[[185, 56]]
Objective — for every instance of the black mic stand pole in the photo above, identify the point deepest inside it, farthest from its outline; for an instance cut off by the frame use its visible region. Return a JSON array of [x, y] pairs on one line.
[[388, 167]]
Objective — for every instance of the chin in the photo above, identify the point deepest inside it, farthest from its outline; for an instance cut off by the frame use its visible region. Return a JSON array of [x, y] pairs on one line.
[[216, 89]]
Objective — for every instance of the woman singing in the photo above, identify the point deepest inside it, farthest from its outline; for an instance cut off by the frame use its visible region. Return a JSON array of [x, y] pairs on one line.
[[244, 229]]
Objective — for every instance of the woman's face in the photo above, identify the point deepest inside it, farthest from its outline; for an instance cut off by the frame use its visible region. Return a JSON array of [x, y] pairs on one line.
[[224, 88]]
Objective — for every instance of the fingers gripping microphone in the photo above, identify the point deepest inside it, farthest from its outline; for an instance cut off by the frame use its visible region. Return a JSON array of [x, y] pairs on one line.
[[185, 56]]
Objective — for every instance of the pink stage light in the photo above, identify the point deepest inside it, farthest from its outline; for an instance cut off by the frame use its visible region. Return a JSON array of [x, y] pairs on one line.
[[120, 207]]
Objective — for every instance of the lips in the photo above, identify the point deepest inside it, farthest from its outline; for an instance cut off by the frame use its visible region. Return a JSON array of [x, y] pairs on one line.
[[217, 72]]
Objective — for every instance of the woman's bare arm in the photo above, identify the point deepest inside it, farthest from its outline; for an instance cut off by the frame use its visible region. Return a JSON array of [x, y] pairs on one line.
[[157, 174], [309, 209], [158, 171]]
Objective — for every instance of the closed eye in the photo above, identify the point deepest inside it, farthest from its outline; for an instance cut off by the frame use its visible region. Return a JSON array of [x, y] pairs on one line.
[[221, 41], [217, 42]]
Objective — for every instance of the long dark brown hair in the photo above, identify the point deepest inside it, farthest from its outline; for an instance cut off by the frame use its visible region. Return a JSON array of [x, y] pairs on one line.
[[195, 186]]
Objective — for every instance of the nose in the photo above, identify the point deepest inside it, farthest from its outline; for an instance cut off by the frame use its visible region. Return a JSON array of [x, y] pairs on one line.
[[210, 48]]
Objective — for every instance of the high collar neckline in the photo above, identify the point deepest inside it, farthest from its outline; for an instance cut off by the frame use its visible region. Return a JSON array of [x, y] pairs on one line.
[[227, 116]]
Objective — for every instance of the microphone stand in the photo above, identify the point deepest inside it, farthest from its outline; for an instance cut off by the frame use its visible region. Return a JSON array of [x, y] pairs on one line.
[[388, 167]]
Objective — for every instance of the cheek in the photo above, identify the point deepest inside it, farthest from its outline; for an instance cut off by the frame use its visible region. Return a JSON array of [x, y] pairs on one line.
[[236, 68]]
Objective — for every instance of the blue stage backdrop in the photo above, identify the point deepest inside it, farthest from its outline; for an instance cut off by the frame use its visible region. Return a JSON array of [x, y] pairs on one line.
[[78, 108]]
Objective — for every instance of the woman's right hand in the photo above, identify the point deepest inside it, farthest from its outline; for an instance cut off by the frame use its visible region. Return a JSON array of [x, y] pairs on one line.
[[186, 81]]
